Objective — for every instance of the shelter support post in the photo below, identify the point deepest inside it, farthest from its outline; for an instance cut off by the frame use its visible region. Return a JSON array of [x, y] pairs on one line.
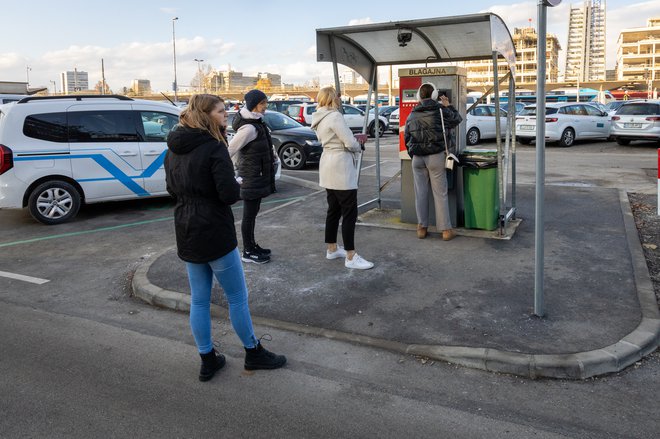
[[512, 131], [539, 306], [498, 138]]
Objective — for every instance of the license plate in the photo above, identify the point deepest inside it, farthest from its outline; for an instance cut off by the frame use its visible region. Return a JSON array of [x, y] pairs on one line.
[[527, 127], [632, 125]]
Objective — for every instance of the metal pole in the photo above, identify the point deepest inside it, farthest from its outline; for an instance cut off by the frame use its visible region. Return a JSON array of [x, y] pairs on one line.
[[27, 74], [539, 306], [512, 129], [102, 77], [376, 130], [498, 139], [175, 85]]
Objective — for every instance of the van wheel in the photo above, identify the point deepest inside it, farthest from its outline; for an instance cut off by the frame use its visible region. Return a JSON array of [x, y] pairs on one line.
[[54, 202], [292, 156], [473, 136]]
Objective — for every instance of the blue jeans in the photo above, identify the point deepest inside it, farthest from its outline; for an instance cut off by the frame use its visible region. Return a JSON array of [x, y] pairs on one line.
[[228, 270]]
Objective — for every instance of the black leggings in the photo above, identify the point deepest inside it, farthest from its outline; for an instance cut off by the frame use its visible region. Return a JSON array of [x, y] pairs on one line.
[[341, 203], [250, 211]]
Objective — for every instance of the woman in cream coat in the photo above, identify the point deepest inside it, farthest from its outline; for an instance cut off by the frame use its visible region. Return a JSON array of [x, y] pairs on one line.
[[338, 174]]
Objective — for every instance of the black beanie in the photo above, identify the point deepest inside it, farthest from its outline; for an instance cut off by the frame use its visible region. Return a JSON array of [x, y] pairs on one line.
[[253, 97]]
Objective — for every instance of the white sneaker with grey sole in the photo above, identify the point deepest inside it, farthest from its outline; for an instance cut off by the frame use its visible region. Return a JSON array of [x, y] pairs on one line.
[[339, 253], [358, 263]]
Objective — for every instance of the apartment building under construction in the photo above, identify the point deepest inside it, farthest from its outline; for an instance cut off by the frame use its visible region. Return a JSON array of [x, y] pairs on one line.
[[480, 73], [585, 51], [638, 53]]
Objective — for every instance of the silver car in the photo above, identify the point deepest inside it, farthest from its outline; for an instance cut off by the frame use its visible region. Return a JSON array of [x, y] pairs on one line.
[[639, 120]]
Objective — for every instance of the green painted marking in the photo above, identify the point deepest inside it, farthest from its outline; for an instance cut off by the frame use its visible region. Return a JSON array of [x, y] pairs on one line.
[[122, 226]]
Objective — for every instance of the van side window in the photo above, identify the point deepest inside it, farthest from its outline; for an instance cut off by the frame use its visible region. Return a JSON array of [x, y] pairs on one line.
[[102, 126], [157, 125], [47, 126]]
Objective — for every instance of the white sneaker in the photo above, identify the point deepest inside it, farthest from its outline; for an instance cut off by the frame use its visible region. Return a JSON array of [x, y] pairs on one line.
[[339, 253], [358, 262]]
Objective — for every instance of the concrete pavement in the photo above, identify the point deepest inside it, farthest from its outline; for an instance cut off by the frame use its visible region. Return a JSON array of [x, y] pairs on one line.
[[468, 301]]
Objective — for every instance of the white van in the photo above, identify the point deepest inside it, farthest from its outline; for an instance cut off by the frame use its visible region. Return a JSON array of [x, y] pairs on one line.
[[58, 152]]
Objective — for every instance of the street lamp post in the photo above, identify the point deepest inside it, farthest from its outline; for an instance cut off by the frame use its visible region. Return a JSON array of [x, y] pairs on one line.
[[175, 85], [27, 74], [199, 73], [54, 87]]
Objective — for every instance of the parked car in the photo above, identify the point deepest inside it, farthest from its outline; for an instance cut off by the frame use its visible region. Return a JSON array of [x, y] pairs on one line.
[[353, 116], [637, 120], [57, 153], [283, 105], [519, 106], [296, 145], [613, 106], [480, 123], [7, 98], [385, 110], [564, 123], [394, 121]]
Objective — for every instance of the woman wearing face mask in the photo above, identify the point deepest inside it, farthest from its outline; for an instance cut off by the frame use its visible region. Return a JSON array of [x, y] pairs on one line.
[[200, 176]]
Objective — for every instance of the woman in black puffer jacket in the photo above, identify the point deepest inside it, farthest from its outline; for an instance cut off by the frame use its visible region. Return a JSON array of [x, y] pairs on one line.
[[200, 177], [251, 148]]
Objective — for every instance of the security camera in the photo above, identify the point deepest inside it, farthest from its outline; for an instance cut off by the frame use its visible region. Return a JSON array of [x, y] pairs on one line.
[[403, 37]]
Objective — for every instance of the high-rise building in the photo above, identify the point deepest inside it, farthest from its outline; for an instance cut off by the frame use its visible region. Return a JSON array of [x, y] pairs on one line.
[[638, 52], [141, 86], [525, 40], [585, 51], [74, 81]]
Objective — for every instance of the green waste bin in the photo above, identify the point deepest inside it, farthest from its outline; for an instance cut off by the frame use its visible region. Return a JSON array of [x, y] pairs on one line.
[[481, 200]]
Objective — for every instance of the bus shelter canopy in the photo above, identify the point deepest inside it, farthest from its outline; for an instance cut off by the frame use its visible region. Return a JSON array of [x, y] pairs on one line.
[[433, 40]]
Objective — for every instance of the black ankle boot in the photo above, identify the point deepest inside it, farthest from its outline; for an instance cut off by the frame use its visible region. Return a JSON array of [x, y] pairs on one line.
[[211, 363], [260, 358]]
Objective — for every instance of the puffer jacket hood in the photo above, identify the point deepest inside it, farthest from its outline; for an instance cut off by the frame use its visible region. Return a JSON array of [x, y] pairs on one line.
[[320, 114], [182, 140]]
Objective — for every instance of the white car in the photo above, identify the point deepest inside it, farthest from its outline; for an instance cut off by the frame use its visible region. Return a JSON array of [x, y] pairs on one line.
[[480, 123], [564, 123], [637, 120], [353, 116], [394, 121], [59, 152]]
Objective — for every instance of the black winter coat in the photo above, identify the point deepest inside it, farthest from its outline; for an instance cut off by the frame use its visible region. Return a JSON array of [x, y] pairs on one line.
[[255, 165], [200, 176], [423, 132]]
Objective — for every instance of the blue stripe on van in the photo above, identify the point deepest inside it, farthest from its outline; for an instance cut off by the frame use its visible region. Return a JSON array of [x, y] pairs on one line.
[[106, 164]]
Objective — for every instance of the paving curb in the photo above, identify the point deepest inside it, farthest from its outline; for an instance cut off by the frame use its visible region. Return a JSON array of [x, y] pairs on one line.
[[643, 340]]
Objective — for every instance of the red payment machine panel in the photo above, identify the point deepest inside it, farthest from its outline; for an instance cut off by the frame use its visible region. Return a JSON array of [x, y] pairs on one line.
[[408, 87]]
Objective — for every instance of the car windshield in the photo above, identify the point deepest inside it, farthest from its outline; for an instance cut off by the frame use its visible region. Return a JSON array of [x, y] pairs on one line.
[[531, 111], [278, 121], [639, 109]]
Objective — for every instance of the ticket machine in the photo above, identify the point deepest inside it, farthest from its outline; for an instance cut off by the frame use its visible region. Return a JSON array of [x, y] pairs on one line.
[[451, 81]]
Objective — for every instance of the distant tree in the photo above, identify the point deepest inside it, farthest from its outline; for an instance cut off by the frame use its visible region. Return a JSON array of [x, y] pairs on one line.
[[99, 86], [264, 84]]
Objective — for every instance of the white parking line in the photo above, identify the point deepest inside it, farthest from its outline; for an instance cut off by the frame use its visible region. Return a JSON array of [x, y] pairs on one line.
[[34, 280]]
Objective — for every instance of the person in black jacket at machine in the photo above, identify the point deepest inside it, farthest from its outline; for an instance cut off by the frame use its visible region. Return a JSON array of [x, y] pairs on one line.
[[252, 151], [200, 177], [424, 140]]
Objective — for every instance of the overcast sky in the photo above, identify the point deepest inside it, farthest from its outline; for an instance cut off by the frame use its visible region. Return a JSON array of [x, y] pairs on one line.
[[134, 38]]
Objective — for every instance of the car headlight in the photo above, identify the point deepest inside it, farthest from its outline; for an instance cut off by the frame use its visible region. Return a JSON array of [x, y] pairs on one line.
[[313, 142]]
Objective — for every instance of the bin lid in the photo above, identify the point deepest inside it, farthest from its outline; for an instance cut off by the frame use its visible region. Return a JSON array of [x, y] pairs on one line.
[[478, 155]]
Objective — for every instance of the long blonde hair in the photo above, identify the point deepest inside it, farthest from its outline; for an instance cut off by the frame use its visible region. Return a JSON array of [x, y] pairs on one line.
[[328, 97], [196, 115]]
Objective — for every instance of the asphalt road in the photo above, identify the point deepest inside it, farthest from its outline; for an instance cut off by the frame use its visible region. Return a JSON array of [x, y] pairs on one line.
[[79, 357]]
